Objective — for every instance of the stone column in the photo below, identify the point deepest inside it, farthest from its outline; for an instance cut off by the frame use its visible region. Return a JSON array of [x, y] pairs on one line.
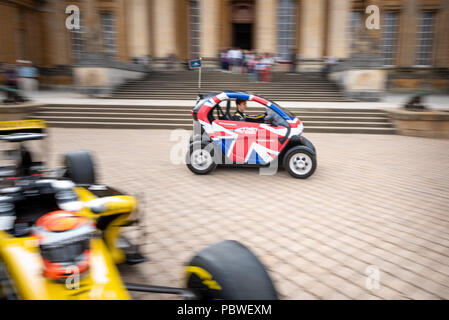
[[8, 26], [337, 44], [209, 28], [407, 33], [442, 37], [312, 28], [138, 29], [121, 27], [56, 38], [265, 26], [164, 28], [94, 40], [226, 24]]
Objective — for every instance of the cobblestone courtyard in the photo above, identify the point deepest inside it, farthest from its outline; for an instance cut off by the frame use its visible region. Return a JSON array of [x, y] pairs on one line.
[[374, 200]]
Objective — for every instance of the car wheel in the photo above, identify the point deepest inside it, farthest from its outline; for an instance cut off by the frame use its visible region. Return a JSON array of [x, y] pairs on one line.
[[80, 167], [300, 163], [228, 270], [200, 158]]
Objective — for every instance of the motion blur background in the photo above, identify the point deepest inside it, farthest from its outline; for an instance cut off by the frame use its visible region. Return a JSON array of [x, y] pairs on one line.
[[120, 40], [376, 199]]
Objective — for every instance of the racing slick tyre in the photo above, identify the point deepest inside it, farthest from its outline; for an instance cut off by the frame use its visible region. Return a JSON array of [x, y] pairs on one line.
[[300, 162], [200, 157], [80, 167], [230, 271]]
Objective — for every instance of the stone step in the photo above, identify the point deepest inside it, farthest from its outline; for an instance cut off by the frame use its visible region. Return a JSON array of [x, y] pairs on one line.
[[180, 83], [187, 115], [180, 109], [250, 90], [102, 118], [194, 92], [131, 125], [232, 88], [187, 96], [169, 84], [351, 130], [294, 98], [347, 124], [183, 85], [151, 118]]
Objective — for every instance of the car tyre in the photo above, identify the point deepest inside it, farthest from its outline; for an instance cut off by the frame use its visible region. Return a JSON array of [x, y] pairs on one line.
[[200, 158], [80, 167], [230, 271], [300, 162]]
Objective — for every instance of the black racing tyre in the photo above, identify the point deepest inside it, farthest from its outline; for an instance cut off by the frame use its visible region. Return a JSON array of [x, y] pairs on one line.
[[230, 271], [300, 162], [80, 167], [200, 158]]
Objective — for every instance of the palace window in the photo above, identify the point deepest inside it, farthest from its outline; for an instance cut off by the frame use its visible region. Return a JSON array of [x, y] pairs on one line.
[[194, 29], [425, 38], [286, 28], [389, 37], [78, 42], [109, 33], [354, 25]]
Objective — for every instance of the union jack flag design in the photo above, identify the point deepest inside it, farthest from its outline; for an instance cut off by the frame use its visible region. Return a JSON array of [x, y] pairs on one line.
[[247, 142]]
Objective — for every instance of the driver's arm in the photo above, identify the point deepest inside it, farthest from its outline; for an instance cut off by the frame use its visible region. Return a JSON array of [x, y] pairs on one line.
[[256, 118], [238, 117]]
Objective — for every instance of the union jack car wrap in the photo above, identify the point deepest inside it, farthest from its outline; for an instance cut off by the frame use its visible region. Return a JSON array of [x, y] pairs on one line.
[[247, 142], [273, 138]]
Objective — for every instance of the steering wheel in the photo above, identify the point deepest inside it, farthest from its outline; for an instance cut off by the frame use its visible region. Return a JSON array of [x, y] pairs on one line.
[[269, 118]]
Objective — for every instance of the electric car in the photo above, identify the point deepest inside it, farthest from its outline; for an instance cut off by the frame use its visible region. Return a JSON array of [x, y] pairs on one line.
[[274, 138]]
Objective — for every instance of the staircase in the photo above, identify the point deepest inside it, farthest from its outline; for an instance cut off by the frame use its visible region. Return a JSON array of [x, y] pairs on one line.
[[152, 117], [183, 85]]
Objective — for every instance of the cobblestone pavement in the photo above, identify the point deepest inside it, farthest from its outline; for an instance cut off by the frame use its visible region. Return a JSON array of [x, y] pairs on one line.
[[374, 200]]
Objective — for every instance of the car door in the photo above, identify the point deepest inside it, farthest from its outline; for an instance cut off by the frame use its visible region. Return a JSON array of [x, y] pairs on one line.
[[248, 142]]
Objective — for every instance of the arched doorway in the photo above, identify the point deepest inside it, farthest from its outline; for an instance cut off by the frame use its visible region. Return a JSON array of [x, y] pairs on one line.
[[242, 18]]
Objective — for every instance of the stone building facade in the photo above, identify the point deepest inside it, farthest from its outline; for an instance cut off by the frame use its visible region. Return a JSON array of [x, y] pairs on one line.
[[413, 39]]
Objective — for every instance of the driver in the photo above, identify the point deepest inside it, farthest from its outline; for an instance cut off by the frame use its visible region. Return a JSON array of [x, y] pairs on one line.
[[240, 114]]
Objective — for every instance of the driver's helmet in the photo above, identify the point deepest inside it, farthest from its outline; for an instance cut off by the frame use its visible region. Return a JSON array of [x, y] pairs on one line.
[[64, 242]]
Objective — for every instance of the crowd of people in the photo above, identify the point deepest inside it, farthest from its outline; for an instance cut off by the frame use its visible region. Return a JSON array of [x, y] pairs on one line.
[[257, 66], [20, 76]]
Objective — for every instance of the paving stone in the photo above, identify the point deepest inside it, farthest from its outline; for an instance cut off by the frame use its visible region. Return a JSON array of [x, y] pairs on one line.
[[372, 201]]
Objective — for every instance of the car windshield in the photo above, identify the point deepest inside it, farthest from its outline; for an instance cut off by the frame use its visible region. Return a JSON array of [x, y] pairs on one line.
[[286, 111], [275, 119]]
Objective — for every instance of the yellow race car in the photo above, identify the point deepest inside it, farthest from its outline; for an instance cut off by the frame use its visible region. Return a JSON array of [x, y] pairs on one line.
[[60, 234]]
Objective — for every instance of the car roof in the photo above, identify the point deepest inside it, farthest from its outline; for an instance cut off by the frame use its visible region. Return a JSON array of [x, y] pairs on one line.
[[220, 96]]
